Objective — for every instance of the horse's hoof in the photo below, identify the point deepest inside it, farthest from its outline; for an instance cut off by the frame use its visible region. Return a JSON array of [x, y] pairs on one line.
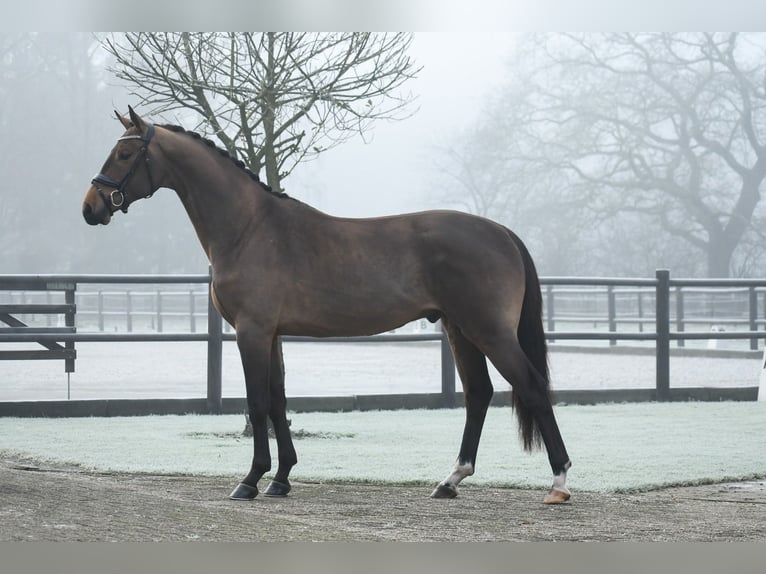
[[556, 496], [444, 491], [277, 489], [244, 492]]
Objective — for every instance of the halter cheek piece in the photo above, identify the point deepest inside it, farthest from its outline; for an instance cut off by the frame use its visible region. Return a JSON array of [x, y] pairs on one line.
[[118, 198]]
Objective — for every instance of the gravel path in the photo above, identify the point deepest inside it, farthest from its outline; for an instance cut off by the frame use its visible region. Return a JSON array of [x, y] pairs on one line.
[[60, 503]]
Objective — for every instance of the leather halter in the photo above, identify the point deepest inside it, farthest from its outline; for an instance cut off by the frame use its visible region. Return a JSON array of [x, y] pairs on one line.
[[118, 198]]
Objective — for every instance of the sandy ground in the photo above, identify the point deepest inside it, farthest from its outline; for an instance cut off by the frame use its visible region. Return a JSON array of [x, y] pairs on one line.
[[44, 502]]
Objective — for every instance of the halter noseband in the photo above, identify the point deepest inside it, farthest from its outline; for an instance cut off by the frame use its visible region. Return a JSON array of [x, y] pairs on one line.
[[118, 198]]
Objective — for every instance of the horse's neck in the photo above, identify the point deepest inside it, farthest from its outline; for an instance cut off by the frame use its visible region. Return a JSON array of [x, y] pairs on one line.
[[220, 198]]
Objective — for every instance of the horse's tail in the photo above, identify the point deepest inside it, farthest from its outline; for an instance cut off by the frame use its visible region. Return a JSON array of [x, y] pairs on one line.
[[532, 340]]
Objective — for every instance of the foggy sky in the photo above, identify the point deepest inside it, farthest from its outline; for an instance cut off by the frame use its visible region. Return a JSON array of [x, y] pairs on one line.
[[393, 169], [394, 172]]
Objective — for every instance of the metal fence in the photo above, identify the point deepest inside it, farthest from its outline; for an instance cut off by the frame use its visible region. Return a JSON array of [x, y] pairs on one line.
[[693, 303], [111, 308]]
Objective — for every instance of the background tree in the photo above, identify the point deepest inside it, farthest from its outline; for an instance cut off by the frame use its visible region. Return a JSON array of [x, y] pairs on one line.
[[47, 80], [488, 171], [57, 123], [658, 137], [271, 99]]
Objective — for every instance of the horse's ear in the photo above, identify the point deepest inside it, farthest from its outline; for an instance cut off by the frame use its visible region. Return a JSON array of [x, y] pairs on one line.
[[123, 120], [137, 121]]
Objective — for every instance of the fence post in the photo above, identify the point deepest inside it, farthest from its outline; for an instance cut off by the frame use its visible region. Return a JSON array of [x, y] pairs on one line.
[[70, 321], [763, 302], [612, 313], [193, 310], [448, 371], [159, 311], [214, 353], [550, 311], [753, 307], [680, 314], [48, 317], [100, 310], [662, 327], [129, 311]]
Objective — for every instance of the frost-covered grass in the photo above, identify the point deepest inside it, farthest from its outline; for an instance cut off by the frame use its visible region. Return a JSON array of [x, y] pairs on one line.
[[613, 447]]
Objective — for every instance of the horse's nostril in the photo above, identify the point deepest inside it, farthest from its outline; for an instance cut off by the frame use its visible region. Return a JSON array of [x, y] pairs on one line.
[[87, 213]]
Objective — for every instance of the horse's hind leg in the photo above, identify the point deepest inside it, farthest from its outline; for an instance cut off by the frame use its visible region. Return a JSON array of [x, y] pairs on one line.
[[477, 391], [280, 485], [510, 360]]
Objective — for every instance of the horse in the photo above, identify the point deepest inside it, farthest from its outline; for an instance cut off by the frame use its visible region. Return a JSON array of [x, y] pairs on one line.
[[281, 267]]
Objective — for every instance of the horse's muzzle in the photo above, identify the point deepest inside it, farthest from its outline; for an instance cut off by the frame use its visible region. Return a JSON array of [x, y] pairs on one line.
[[95, 217]]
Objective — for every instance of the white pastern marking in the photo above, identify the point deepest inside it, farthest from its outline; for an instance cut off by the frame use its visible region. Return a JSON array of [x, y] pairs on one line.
[[459, 473], [559, 481]]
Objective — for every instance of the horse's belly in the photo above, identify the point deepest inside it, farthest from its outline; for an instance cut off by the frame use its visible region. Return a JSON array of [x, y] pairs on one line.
[[344, 315]]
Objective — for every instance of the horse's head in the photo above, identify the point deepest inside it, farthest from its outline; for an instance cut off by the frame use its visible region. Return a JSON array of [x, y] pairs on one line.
[[126, 175]]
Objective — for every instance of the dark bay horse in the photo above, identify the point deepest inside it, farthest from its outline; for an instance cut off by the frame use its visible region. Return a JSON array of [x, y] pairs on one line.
[[281, 267]]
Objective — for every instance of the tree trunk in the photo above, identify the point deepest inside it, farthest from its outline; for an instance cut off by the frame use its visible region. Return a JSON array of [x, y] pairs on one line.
[[269, 120], [719, 254], [721, 245]]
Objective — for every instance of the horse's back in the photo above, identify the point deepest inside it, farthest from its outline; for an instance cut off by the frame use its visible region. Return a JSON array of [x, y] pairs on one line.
[[435, 257], [436, 230], [428, 244]]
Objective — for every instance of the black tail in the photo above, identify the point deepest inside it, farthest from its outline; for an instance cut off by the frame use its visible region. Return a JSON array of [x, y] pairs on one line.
[[532, 340]]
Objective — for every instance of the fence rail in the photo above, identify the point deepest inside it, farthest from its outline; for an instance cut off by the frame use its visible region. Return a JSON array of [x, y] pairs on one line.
[[652, 304]]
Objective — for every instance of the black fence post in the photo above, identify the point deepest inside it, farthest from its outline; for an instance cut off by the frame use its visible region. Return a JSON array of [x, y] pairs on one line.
[[214, 353], [662, 322], [448, 371]]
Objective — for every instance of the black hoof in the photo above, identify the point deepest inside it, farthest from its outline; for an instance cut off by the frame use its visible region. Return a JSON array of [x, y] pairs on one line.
[[244, 492], [444, 491], [277, 489]]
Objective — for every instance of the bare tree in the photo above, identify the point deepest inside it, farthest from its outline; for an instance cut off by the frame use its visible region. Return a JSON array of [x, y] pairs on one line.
[[651, 138], [669, 126], [488, 169], [272, 99]]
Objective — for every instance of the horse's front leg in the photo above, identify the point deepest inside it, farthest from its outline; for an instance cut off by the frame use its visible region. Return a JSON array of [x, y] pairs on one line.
[[280, 485], [255, 347]]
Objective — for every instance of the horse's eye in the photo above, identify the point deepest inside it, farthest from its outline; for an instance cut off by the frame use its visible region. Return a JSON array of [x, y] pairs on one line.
[[124, 154]]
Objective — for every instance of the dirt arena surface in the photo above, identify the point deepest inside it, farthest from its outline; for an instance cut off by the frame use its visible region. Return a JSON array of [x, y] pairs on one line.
[[44, 502]]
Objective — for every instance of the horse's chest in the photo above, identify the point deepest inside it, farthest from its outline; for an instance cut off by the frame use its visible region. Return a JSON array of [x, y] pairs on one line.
[[219, 305]]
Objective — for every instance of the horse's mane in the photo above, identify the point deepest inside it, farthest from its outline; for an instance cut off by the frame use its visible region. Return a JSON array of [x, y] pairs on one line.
[[237, 162]]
